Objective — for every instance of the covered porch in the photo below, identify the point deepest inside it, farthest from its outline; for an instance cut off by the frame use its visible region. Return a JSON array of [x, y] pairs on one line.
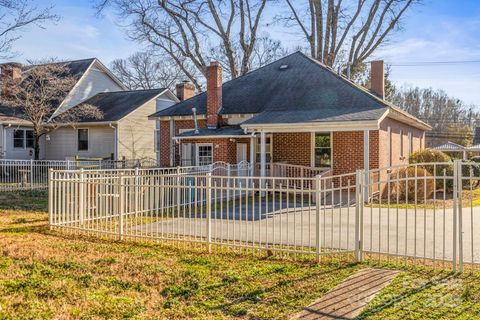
[[289, 151]]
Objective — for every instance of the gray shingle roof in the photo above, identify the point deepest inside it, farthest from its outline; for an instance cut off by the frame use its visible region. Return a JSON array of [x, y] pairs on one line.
[[304, 91], [116, 105]]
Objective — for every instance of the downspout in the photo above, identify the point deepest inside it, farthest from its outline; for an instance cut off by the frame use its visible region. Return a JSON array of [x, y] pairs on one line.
[[5, 140]]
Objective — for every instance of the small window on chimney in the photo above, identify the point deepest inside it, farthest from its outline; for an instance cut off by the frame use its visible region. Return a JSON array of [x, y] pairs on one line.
[[284, 66]]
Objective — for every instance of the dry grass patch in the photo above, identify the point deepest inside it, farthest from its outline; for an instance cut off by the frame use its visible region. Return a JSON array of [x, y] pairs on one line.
[[48, 275], [44, 274]]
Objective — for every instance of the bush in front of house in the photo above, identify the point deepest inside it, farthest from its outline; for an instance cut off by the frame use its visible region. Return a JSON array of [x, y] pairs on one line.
[[428, 156], [408, 182]]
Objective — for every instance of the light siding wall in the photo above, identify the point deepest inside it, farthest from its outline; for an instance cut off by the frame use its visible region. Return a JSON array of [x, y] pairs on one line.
[[62, 143], [136, 134], [15, 153], [94, 81]]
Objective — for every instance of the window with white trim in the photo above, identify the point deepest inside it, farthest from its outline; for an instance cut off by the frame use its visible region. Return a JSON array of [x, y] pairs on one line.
[[322, 150], [23, 138], [82, 141], [204, 154], [268, 149], [29, 139]]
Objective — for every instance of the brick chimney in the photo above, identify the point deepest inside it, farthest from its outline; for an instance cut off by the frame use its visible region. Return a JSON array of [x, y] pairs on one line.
[[185, 90], [214, 94], [8, 72], [377, 78]]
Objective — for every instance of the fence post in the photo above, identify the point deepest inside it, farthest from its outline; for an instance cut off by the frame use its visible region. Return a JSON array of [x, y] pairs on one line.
[[454, 222], [458, 164], [31, 173], [121, 210], [81, 197], [50, 197], [137, 182], [209, 210], [318, 199], [359, 216]]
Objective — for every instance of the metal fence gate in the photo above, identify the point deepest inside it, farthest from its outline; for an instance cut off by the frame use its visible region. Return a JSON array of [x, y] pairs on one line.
[[423, 213], [420, 213]]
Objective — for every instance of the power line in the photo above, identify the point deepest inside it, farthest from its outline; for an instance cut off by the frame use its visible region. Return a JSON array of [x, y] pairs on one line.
[[431, 63]]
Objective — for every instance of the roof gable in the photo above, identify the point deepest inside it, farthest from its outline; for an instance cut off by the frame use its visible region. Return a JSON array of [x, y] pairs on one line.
[[116, 105]]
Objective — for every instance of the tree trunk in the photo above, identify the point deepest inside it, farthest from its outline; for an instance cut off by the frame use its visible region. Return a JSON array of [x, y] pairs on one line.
[[36, 147]]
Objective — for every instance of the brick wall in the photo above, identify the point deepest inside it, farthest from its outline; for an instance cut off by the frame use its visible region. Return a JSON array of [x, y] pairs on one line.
[[347, 151], [295, 148], [292, 148], [397, 129], [166, 142]]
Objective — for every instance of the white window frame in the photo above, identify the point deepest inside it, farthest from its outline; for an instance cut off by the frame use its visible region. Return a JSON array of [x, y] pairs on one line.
[[312, 149], [258, 146], [88, 139], [197, 153], [24, 140]]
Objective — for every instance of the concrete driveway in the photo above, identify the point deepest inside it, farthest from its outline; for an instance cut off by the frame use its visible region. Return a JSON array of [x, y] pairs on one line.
[[404, 232]]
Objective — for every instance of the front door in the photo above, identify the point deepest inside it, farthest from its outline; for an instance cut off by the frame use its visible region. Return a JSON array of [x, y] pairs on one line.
[[241, 152]]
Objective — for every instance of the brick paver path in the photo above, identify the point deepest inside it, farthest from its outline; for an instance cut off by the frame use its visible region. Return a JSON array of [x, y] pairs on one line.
[[347, 300]]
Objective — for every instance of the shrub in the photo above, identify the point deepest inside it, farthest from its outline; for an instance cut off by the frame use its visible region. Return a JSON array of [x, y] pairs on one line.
[[428, 156], [405, 188]]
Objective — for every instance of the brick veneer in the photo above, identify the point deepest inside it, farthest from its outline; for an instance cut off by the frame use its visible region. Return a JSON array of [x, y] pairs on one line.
[[295, 148], [292, 148]]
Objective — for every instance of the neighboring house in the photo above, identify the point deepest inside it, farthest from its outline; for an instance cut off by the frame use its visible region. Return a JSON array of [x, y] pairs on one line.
[[294, 110], [105, 138], [123, 132]]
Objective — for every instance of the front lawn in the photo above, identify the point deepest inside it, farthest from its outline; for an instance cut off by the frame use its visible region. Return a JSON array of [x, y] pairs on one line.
[[45, 274]]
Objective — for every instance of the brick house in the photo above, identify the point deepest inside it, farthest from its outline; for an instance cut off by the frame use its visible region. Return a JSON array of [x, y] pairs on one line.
[[294, 110]]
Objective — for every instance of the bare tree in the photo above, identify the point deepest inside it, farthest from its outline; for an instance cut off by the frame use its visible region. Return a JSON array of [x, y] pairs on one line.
[[15, 17], [144, 70], [339, 31], [193, 32], [450, 118], [38, 93]]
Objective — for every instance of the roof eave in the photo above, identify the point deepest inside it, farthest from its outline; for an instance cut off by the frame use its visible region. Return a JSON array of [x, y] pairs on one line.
[[360, 125]]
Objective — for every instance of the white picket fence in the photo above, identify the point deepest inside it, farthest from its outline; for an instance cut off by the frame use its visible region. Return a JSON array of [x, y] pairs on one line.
[[422, 213], [18, 175]]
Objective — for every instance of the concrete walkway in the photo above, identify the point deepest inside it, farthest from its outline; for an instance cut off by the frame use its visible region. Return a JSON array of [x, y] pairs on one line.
[[348, 299]]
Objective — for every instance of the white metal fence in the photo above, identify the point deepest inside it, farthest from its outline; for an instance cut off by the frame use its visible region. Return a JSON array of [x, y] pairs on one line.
[[422, 213], [33, 174]]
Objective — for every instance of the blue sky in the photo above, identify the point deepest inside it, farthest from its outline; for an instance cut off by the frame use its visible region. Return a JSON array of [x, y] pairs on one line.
[[437, 30]]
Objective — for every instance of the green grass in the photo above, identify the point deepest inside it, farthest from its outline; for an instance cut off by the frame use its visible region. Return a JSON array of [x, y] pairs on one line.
[[48, 275]]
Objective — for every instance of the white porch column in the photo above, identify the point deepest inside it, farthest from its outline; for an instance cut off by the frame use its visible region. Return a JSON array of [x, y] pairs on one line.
[[252, 155], [366, 161], [263, 155], [465, 155]]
